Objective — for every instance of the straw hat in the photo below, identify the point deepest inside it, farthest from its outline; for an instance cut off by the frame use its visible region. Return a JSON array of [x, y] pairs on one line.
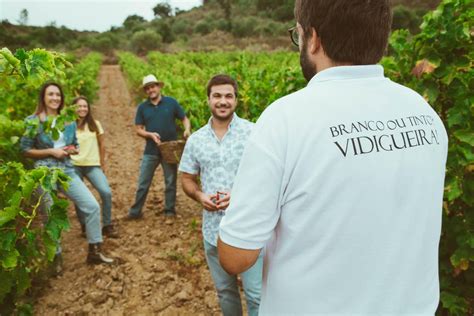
[[151, 79]]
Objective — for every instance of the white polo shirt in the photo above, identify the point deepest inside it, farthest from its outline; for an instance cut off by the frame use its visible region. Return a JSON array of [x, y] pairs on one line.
[[342, 182]]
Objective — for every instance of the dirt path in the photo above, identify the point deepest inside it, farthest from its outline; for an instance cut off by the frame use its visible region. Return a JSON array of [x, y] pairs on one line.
[[161, 267]]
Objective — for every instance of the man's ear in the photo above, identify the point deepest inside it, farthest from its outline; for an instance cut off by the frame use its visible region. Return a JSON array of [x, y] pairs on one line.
[[315, 42]]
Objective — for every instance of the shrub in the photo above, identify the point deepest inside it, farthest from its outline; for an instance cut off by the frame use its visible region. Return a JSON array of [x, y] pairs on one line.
[[181, 27], [203, 28], [438, 64], [406, 18], [143, 41], [244, 27]]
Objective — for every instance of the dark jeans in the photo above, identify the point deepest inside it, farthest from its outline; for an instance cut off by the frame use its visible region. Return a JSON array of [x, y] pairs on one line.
[[147, 171]]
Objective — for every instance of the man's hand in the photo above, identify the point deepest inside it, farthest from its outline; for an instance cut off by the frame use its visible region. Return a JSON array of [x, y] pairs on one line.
[[58, 153], [187, 127], [186, 133], [223, 200], [155, 137], [207, 201]]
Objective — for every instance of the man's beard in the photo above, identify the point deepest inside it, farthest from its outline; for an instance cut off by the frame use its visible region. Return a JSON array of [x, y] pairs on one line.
[[307, 67], [220, 117]]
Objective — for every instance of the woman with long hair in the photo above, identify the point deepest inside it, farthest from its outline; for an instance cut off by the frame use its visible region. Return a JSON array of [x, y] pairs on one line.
[[46, 151], [90, 162]]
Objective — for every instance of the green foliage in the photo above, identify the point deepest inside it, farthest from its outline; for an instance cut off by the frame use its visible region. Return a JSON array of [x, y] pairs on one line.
[[10, 133], [280, 10], [181, 27], [202, 27], [407, 18], [23, 20], [26, 243], [244, 27], [162, 10], [28, 236], [132, 22], [438, 63], [37, 64], [103, 42], [164, 28], [82, 78], [143, 41], [25, 71]]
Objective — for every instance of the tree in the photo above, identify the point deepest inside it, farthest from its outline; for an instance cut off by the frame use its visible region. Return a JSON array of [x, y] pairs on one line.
[[143, 41], [23, 20], [132, 21], [162, 10], [226, 5]]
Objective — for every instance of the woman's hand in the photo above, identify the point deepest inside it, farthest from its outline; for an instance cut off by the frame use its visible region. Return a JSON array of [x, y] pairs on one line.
[[58, 153], [71, 150]]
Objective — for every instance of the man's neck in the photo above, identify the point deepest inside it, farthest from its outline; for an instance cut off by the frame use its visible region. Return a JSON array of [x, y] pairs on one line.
[[156, 100], [220, 127], [324, 62]]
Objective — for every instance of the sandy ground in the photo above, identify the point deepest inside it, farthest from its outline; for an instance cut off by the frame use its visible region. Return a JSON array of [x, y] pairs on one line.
[[160, 266]]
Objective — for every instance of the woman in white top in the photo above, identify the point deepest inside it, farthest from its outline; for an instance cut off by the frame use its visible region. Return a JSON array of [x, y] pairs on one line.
[[90, 162]]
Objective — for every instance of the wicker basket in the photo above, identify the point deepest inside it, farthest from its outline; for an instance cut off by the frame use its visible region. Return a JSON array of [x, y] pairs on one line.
[[171, 151]]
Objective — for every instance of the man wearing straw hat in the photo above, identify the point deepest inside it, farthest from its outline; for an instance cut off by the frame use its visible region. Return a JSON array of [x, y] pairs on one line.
[[155, 121], [213, 154]]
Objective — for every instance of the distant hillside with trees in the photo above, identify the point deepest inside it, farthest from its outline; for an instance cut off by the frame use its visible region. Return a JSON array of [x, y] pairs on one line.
[[215, 25]]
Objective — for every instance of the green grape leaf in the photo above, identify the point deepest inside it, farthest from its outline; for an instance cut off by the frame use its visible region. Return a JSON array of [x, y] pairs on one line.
[[10, 259]]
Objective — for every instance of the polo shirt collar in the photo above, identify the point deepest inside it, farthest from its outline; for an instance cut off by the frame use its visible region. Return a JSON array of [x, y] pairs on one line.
[[149, 101], [348, 73]]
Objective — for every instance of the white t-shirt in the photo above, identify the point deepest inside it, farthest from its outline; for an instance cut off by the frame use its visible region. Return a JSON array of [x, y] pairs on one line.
[[60, 142], [342, 182]]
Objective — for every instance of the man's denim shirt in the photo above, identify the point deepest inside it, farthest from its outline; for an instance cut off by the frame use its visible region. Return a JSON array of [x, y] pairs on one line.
[[42, 140]]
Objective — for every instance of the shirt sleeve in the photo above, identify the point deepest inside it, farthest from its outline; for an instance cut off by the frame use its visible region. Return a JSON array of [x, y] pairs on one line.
[[27, 141], [189, 163], [180, 114], [139, 119], [75, 142], [99, 127], [254, 209]]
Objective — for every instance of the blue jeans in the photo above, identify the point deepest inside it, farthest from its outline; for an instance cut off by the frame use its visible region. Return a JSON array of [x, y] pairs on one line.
[[147, 171], [97, 178], [80, 195], [227, 288]]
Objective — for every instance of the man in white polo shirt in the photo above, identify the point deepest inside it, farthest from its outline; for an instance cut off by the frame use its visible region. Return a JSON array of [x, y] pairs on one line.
[[342, 181]]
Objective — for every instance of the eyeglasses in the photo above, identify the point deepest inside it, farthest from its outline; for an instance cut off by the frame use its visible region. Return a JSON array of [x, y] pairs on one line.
[[295, 38]]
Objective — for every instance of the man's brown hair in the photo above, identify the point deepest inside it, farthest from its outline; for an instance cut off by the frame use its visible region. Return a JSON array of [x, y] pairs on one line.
[[351, 31], [221, 79]]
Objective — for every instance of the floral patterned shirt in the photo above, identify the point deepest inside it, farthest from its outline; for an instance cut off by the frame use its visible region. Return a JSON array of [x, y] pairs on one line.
[[217, 162]]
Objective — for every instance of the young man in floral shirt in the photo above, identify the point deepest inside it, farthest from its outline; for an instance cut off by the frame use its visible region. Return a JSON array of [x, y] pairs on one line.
[[213, 153]]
